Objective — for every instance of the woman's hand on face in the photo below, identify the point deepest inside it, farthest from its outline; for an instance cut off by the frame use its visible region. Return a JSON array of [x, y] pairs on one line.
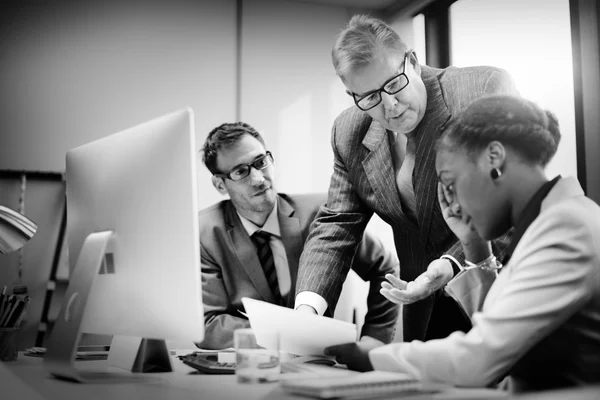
[[457, 221]]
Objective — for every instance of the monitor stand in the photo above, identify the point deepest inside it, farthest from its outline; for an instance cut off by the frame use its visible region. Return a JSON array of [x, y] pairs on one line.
[[130, 354]]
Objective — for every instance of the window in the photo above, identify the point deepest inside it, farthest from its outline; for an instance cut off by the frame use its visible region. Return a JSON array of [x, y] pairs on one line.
[[532, 41], [419, 38]]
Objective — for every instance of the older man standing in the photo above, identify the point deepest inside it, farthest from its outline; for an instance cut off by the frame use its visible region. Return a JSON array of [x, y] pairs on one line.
[[384, 163]]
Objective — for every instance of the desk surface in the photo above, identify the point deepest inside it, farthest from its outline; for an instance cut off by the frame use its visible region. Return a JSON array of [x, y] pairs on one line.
[[26, 379]]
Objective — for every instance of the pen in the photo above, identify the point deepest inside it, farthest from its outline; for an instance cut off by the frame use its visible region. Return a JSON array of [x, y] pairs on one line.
[[2, 297], [15, 314], [8, 305], [26, 302]]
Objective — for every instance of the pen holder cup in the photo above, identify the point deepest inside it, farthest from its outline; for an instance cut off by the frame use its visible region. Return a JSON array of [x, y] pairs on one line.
[[8, 344]]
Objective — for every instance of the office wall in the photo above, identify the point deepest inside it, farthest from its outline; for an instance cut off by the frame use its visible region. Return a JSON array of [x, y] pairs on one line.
[[535, 49], [289, 89], [72, 72]]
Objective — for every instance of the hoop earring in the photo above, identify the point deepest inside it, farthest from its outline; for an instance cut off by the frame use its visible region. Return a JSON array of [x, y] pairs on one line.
[[495, 173]]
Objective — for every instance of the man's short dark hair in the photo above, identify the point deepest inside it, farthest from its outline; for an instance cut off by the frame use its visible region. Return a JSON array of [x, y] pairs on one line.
[[224, 136]]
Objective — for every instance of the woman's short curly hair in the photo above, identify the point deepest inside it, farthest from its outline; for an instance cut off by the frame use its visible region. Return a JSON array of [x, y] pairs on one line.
[[515, 122]]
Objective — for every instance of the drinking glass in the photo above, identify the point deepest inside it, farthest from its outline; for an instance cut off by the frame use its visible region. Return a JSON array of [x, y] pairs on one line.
[[256, 363]]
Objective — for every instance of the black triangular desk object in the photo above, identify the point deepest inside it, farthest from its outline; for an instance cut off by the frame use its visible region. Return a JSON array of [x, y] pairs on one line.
[[126, 353], [139, 354]]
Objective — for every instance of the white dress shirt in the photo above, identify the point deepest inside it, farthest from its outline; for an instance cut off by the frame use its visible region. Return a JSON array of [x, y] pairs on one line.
[[403, 158]]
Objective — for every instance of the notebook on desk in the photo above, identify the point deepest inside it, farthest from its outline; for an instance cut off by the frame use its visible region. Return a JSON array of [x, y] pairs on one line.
[[359, 386], [84, 353]]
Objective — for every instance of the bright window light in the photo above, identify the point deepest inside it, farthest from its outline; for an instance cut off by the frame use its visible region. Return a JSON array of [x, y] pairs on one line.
[[532, 41]]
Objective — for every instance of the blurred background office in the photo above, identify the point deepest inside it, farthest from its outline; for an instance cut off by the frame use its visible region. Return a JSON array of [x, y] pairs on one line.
[[75, 71]]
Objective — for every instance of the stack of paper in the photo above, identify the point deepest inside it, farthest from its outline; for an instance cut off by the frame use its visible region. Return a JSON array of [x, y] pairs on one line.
[[299, 333], [81, 354]]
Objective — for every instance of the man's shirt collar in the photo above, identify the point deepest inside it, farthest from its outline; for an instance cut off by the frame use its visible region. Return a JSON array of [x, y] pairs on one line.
[[271, 224]]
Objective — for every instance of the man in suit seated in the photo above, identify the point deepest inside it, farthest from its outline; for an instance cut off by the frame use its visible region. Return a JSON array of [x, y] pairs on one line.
[[251, 243]]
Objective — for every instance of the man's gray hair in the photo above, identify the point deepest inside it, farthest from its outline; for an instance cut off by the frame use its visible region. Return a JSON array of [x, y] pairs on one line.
[[361, 42]]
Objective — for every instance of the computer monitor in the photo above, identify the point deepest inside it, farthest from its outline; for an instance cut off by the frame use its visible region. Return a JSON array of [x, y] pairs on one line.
[[133, 242]]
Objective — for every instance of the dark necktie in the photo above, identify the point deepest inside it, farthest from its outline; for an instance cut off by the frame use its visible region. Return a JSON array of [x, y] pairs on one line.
[[265, 256]]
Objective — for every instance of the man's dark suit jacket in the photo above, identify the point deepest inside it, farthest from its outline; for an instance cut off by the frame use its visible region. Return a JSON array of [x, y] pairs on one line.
[[363, 183], [231, 269]]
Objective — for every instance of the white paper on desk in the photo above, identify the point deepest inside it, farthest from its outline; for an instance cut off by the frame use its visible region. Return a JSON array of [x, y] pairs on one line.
[[300, 333]]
